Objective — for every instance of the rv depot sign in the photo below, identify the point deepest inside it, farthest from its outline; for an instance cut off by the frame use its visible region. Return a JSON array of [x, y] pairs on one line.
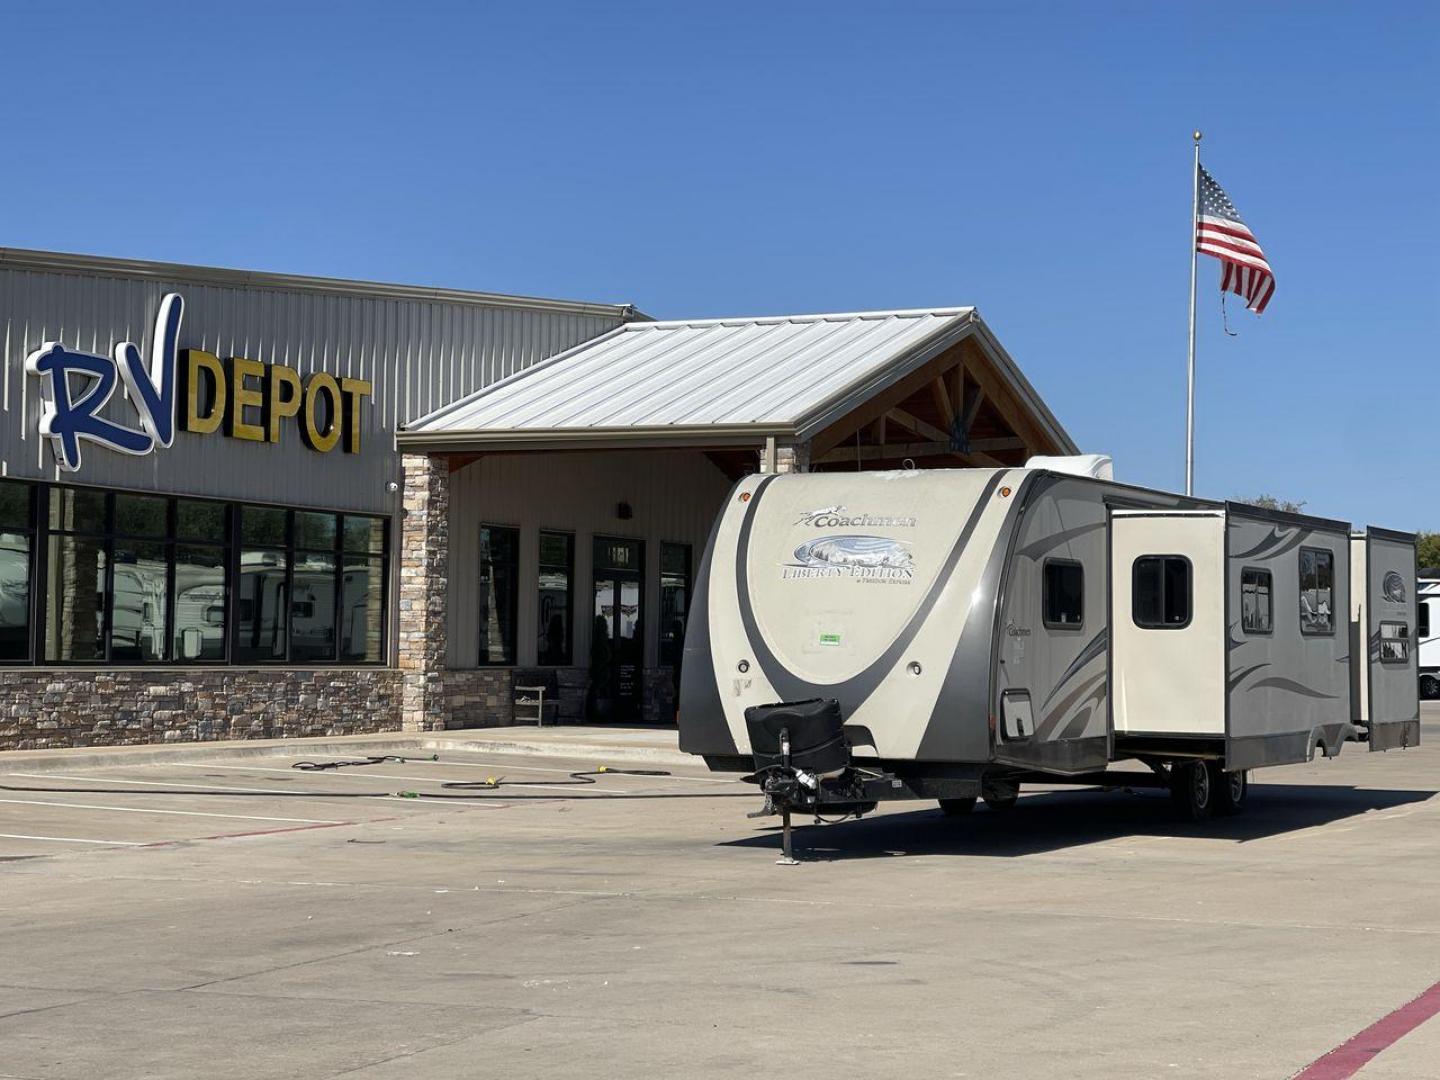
[[243, 399]]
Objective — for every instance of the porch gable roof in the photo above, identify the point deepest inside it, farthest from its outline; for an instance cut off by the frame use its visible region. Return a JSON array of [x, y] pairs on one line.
[[714, 382]]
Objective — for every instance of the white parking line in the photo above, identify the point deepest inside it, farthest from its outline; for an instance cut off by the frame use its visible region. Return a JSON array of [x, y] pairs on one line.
[[491, 764], [393, 776], [392, 799], [71, 840], [180, 813]]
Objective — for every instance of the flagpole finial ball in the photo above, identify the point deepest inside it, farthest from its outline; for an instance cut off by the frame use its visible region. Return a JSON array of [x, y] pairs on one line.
[[1196, 134]]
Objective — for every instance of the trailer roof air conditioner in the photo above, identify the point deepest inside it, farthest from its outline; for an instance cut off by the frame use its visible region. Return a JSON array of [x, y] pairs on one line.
[[1100, 466]]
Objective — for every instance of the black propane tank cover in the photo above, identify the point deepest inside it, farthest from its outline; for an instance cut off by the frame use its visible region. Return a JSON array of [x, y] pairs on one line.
[[817, 744]]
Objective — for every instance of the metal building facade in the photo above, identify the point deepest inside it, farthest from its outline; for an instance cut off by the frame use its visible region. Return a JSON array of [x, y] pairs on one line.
[[418, 348]]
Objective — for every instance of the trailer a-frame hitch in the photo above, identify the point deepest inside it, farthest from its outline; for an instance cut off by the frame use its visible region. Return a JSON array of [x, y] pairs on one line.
[[788, 788]]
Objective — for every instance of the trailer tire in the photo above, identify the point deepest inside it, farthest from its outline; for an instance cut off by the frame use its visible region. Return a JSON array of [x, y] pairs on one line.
[[1192, 791], [1002, 796], [957, 807], [1231, 788], [1429, 687]]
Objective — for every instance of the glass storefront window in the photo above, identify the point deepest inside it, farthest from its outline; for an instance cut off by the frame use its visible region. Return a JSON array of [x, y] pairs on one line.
[[75, 599], [499, 571], [199, 604], [136, 579], [364, 535], [260, 622], [263, 525], [16, 567], [315, 532], [139, 586], [200, 521], [141, 515], [14, 595], [557, 567], [362, 609], [674, 601], [77, 510], [14, 505], [312, 608]]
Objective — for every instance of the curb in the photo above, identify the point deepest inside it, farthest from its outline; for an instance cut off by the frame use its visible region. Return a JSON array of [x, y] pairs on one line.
[[115, 757]]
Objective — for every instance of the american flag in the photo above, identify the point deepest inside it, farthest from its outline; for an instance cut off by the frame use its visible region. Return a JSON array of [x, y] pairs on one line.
[[1220, 232]]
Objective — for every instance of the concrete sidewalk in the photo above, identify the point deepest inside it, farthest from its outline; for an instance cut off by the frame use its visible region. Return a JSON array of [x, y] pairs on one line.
[[603, 744]]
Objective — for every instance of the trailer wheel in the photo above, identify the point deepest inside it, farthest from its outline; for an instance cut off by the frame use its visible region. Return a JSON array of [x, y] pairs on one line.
[[1191, 790], [1230, 789], [1429, 687], [957, 807]]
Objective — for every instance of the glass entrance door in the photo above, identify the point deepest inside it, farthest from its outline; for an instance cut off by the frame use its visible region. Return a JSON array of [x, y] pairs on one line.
[[617, 651]]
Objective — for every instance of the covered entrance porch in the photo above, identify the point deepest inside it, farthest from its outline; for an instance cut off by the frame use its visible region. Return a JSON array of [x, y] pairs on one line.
[[555, 521]]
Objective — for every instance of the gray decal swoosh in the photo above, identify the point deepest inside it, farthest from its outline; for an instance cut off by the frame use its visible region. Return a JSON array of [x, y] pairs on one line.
[[703, 729], [1290, 545], [1092, 651], [1076, 727], [1277, 683], [1239, 676], [1048, 543], [970, 680], [1274, 540], [853, 691], [1052, 721]]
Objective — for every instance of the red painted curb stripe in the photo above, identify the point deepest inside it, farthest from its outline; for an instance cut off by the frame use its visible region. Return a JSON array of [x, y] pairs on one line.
[[1350, 1057]]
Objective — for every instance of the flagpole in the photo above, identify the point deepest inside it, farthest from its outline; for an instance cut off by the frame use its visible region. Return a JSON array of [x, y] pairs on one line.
[[1190, 367]]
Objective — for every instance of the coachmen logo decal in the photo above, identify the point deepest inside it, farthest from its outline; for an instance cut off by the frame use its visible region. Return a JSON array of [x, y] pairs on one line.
[[869, 558], [837, 517], [1393, 587]]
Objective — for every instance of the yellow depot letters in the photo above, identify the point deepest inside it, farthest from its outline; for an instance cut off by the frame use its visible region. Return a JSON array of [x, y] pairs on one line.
[[251, 400]]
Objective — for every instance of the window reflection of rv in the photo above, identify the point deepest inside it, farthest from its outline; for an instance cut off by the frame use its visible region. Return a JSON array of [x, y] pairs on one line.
[[260, 604], [199, 612], [137, 620], [1428, 595], [14, 597], [313, 629]]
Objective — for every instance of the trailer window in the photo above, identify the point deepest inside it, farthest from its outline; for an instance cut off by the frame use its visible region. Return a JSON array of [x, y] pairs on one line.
[[1255, 606], [1394, 643], [1160, 592], [1317, 591], [1063, 594], [1422, 621]]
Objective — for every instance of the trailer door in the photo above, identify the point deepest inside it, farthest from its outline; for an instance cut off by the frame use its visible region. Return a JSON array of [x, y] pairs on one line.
[[1167, 622], [1384, 657]]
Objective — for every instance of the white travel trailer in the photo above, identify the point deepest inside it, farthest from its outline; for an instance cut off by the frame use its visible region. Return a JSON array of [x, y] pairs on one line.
[[1428, 639], [983, 628]]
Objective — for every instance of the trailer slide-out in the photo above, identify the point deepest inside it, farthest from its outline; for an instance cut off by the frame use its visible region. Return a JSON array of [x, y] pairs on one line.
[[981, 628]]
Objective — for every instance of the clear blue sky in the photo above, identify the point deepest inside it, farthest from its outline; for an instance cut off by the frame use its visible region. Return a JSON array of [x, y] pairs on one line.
[[721, 159]]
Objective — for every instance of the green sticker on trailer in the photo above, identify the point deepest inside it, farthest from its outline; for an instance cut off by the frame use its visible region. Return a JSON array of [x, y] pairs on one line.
[[829, 639]]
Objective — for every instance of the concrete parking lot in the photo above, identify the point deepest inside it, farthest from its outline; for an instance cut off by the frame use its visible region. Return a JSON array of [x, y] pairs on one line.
[[240, 918]]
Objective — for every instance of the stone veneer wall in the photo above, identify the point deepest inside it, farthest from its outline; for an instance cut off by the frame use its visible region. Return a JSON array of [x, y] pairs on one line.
[[424, 581], [480, 697], [86, 707]]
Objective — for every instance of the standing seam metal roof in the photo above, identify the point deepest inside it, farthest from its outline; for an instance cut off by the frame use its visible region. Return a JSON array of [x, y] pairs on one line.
[[726, 372]]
